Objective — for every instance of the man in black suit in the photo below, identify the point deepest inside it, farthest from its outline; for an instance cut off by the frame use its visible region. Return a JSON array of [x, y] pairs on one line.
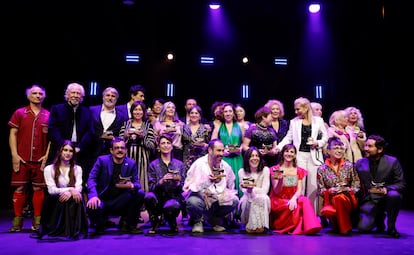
[[107, 121], [382, 184], [72, 121]]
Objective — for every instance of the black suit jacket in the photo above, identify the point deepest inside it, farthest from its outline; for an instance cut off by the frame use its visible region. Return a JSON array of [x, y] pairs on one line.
[[103, 145], [389, 172], [61, 125]]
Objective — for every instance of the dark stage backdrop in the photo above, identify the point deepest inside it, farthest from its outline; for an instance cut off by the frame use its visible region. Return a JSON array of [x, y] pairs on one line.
[[358, 61]]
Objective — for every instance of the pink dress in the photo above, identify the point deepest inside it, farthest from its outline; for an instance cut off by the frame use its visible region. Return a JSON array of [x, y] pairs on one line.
[[303, 219]]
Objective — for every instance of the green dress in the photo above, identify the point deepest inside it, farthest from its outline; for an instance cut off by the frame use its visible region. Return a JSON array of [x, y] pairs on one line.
[[233, 138]]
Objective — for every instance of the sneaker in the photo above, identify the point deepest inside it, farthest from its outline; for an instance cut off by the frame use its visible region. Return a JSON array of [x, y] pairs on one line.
[[219, 228], [36, 223], [17, 224], [198, 228]]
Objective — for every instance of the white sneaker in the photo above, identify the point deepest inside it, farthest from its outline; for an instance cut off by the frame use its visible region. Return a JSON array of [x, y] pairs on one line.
[[198, 228], [219, 228]]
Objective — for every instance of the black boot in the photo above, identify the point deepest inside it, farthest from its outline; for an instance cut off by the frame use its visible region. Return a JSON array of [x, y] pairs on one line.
[[155, 223], [173, 226]]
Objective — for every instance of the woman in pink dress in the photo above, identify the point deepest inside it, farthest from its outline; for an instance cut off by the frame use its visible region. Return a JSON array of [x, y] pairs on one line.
[[291, 212]]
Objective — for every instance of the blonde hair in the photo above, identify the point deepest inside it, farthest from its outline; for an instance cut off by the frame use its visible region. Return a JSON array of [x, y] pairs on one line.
[[302, 101], [360, 122], [335, 115], [272, 102]]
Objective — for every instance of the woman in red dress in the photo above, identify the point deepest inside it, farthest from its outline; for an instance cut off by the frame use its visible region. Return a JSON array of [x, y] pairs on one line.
[[291, 212]]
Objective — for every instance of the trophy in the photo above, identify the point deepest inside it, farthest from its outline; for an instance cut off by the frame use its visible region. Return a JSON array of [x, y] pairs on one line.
[[198, 141], [218, 172], [170, 128], [267, 147], [342, 187], [174, 175], [233, 148], [277, 173], [124, 182], [248, 182], [310, 141], [377, 187]]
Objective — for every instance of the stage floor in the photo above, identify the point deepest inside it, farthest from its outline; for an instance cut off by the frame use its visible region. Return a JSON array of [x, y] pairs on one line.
[[231, 242]]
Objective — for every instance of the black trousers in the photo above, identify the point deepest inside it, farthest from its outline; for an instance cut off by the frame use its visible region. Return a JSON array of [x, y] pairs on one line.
[[374, 208], [127, 205]]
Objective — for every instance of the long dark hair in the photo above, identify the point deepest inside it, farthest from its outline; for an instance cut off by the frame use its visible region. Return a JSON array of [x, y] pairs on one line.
[[246, 158], [72, 163]]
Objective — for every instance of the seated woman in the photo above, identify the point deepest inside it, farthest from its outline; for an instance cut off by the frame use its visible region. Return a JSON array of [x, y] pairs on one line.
[[338, 183], [63, 214], [254, 205], [291, 212]]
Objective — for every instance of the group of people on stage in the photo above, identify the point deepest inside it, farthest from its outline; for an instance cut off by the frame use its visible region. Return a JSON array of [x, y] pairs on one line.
[[81, 165]]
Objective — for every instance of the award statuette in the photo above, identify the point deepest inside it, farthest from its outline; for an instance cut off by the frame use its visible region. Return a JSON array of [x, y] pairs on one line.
[[124, 182], [278, 173], [175, 175], [233, 148], [342, 187], [218, 172], [248, 182], [310, 141], [377, 188], [267, 147], [170, 128]]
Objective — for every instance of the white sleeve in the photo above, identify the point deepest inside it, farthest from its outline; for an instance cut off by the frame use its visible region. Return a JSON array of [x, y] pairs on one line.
[[78, 176], [49, 175]]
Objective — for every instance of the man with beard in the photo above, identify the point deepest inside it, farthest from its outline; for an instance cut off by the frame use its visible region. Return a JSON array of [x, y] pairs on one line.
[[382, 184], [72, 121], [209, 189], [114, 189]]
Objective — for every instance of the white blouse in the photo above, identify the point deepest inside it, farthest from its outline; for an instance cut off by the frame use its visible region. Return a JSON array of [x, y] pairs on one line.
[[49, 174]]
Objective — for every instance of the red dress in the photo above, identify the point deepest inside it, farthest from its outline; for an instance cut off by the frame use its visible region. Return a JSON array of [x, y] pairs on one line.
[[303, 219]]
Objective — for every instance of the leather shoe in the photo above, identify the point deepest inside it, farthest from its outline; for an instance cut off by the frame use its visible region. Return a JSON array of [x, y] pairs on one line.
[[347, 233], [131, 230], [393, 233], [380, 228]]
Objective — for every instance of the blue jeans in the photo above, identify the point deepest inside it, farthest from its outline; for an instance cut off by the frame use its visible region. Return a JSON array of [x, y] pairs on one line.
[[198, 212]]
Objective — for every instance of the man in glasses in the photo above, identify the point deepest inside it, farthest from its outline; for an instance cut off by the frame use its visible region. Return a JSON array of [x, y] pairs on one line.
[[114, 190]]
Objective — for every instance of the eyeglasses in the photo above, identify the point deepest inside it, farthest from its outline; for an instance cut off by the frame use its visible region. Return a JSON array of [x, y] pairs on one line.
[[338, 148], [119, 148]]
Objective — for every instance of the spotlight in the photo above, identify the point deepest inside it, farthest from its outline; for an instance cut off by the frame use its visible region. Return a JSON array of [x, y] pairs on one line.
[[314, 7], [214, 5]]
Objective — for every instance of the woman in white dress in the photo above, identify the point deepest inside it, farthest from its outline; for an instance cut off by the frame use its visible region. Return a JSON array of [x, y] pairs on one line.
[[254, 205]]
